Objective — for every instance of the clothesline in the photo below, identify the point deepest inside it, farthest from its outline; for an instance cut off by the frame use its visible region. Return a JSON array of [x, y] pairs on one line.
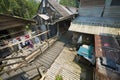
[[10, 45]]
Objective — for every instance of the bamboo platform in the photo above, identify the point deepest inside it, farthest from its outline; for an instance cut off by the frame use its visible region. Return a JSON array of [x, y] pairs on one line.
[[65, 66], [39, 65]]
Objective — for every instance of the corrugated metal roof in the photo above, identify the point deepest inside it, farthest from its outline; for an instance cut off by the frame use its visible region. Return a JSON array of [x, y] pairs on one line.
[[7, 21], [112, 11], [59, 8], [96, 25], [91, 11]]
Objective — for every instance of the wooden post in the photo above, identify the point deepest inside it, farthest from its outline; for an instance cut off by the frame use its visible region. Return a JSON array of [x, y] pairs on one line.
[[58, 31], [47, 28], [40, 50], [3, 59]]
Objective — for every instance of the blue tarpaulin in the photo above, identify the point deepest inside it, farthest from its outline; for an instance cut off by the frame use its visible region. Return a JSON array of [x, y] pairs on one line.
[[87, 52]]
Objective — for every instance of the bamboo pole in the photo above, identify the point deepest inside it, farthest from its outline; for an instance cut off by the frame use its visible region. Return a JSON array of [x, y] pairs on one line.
[[3, 59]]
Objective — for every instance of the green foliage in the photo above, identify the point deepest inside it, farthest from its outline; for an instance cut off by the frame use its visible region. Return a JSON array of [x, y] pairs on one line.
[[58, 77], [71, 3], [1, 78], [21, 8]]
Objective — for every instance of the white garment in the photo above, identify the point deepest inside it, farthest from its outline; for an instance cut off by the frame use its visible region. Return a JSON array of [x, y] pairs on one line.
[[19, 47], [23, 39], [14, 40], [79, 39]]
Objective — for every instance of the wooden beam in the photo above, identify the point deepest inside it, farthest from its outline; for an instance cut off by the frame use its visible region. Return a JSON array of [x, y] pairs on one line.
[[61, 19], [14, 23], [12, 33], [3, 59], [6, 19], [2, 16], [4, 65], [3, 27]]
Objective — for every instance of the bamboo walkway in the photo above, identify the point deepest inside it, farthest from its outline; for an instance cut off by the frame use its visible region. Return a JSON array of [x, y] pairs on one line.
[[37, 67], [64, 66]]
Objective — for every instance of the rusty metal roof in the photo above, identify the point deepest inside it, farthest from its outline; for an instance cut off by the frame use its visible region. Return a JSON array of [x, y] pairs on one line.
[[91, 2], [7, 21], [107, 47]]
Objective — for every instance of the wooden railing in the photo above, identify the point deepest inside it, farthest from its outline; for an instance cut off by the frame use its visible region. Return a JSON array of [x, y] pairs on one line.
[[26, 59], [10, 45]]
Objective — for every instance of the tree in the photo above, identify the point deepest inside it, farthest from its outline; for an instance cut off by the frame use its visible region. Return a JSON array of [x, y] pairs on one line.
[[22, 8], [71, 3]]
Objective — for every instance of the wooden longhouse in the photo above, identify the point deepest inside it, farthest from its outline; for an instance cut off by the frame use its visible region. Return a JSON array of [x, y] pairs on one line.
[[13, 55], [101, 18], [51, 15], [10, 28]]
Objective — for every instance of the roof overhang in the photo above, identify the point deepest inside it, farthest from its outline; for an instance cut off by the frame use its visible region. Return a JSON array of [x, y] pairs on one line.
[[61, 19], [43, 16], [96, 25], [7, 22]]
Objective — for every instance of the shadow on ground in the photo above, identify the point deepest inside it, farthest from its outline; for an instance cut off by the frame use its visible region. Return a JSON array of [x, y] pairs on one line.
[[86, 70]]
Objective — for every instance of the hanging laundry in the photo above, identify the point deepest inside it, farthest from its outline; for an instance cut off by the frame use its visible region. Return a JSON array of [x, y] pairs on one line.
[[30, 44], [23, 41], [37, 40], [19, 47]]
